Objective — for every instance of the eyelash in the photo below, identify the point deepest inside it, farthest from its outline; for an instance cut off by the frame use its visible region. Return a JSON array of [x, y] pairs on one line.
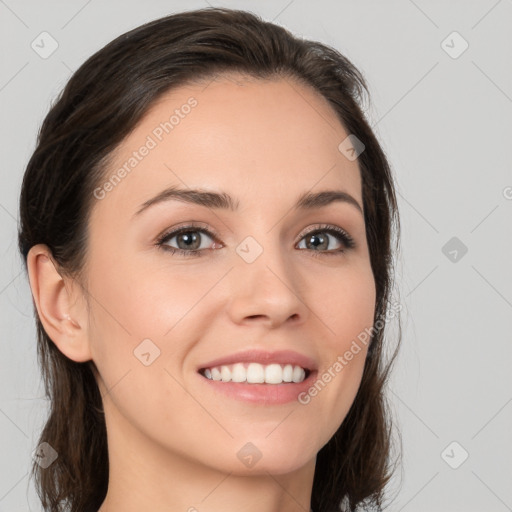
[[339, 233]]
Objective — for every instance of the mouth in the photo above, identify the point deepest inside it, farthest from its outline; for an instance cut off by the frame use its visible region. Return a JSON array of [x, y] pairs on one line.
[[259, 377], [257, 373]]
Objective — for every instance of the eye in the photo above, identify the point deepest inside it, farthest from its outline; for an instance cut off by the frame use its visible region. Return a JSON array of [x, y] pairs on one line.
[[189, 240], [319, 238]]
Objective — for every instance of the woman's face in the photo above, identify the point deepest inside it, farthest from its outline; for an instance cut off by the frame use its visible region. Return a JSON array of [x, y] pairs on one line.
[[258, 283]]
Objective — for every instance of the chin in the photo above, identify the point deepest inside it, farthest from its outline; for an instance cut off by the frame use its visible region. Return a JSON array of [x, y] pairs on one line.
[[260, 457]]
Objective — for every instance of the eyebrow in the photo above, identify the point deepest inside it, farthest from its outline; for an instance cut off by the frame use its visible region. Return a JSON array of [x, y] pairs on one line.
[[222, 200]]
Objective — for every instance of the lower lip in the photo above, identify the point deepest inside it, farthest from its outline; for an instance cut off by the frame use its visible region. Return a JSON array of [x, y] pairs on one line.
[[267, 394]]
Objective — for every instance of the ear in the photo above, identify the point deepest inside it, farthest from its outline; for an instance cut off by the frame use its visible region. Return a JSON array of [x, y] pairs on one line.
[[60, 305]]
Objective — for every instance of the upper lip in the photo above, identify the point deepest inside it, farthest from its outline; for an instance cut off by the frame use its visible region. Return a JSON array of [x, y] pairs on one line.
[[263, 357]]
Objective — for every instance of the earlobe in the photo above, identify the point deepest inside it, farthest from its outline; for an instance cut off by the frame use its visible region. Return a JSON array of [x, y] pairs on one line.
[[59, 312]]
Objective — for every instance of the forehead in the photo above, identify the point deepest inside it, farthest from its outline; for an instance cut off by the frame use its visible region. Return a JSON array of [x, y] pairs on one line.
[[260, 140]]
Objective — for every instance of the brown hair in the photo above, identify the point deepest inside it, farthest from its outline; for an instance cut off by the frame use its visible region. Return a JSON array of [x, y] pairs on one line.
[[100, 105]]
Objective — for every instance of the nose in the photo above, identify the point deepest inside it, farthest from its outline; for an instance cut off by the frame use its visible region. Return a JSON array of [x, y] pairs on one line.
[[267, 290]]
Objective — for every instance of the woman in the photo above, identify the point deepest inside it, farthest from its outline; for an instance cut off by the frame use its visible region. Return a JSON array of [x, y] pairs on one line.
[[206, 223]]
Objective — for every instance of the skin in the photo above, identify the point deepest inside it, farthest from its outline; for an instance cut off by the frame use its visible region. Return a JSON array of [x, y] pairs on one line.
[[173, 442]]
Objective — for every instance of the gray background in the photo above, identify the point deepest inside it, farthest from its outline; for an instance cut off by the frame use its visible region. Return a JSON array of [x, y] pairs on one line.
[[445, 125]]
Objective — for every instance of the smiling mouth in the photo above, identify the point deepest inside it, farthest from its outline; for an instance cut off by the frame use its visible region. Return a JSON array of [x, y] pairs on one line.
[[256, 373]]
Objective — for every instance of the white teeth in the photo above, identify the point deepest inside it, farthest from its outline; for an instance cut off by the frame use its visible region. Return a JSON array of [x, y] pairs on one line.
[[255, 373], [238, 373], [225, 374], [288, 373], [273, 374]]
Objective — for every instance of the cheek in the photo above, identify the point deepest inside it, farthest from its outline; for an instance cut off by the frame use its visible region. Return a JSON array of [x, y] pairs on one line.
[[145, 300], [346, 303], [137, 318], [140, 301], [347, 311]]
